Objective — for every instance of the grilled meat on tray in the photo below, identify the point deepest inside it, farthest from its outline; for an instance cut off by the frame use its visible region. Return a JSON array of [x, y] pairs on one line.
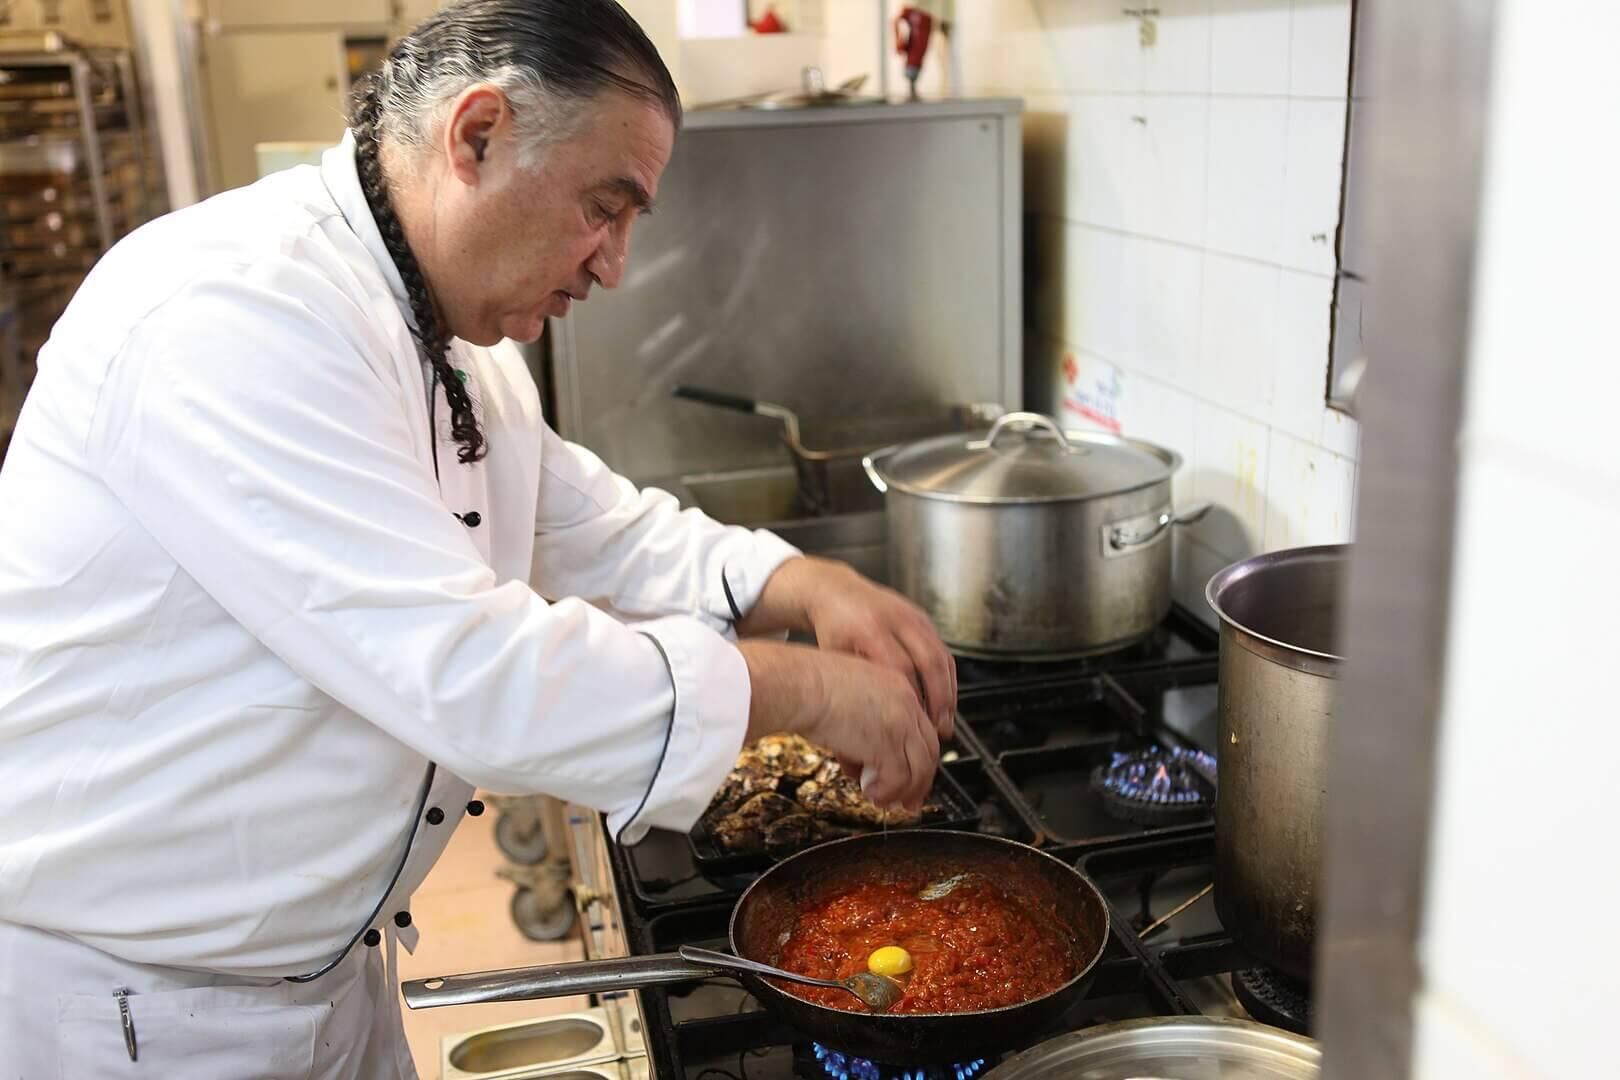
[[742, 831], [751, 776], [786, 793], [835, 795], [791, 755], [788, 834]]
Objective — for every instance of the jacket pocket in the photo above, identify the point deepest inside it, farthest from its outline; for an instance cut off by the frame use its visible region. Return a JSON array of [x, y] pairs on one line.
[[209, 1033]]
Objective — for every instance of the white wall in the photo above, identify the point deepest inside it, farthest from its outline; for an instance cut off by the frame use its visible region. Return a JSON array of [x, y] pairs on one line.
[[1187, 196], [1517, 961]]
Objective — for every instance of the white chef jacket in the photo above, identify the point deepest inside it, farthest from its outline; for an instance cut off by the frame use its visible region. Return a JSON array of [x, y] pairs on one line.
[[239, 615]]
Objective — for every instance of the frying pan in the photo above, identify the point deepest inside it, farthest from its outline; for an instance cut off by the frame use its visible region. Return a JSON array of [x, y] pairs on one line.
[[821, 444], [766, 912]]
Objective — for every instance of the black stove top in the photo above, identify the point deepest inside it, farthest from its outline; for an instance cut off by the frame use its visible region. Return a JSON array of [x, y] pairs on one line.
[[1178, 639], [1025, 753]]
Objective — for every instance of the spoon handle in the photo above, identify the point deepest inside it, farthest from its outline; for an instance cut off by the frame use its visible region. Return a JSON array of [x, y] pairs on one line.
[[709, 958]]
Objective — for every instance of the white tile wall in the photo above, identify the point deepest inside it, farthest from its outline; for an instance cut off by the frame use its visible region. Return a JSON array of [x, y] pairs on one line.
[[1230, 466], [1319, 52], [1249, 46], [1169, 143], [1188, 196], [1248, 161], [1300, 362], [1095, 269], [1162, 414], [1312, 181], [1178, 63], [1161, 291], [1094, 46], [1104, 167], [1128, 298], [1238, 334], [1307, 494], [1130, 162], [1341, 434]]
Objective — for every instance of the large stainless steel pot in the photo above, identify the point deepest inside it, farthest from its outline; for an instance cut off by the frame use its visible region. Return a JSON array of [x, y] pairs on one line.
[[1208, 1047], [1029, 541], [1279, 667]]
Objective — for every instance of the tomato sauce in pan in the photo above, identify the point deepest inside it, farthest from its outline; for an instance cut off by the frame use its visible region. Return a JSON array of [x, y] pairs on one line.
[[972, 949]]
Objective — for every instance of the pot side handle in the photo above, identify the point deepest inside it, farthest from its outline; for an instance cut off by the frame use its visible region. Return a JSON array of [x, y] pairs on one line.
[[869, 463], [1123, 538], [555, 980]]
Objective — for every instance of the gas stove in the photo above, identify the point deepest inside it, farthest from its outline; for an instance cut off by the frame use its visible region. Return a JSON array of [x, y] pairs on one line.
[[1178, 639], [1028, 749]]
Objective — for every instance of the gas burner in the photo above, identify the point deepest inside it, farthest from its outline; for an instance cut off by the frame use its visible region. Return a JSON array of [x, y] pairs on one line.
[[841, 1066], [1157, 786], [1274, 999]]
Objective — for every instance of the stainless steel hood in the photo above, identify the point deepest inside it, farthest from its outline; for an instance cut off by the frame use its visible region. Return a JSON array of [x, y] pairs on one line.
[[841, 261]]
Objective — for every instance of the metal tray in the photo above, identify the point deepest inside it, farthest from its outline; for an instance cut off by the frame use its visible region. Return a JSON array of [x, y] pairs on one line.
[[715, 862]]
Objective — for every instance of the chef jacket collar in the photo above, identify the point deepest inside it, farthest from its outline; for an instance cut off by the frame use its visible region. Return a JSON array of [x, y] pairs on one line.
[[343, 181]]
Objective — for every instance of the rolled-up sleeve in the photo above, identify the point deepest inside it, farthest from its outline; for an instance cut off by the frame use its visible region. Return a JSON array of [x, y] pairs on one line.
[[636, 551], [245, 429]]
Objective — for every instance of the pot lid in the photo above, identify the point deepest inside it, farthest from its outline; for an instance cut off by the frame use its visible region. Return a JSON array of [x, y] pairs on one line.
[[1025, 457], [1173, 1048]]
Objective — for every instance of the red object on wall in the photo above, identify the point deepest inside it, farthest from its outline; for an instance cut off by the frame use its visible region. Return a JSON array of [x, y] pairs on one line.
[[911, 30], [768, 23]]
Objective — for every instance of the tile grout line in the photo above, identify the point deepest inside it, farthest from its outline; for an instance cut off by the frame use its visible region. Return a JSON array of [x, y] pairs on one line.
[[1201, 249]]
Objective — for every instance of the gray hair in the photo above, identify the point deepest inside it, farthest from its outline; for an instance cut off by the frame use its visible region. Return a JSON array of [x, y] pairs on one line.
[[550, 58]]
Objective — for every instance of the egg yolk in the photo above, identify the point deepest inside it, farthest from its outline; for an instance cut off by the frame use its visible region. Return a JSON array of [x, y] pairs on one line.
[[891, 960]]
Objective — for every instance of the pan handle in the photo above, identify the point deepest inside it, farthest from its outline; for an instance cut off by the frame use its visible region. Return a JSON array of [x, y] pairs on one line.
[[717, 398], [555, 980]]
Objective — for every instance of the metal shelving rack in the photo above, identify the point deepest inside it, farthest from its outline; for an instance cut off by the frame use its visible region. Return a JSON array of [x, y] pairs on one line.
[[77, 172]]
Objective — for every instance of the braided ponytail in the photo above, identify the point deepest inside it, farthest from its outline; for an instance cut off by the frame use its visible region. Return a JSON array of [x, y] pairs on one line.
[[431, 335]]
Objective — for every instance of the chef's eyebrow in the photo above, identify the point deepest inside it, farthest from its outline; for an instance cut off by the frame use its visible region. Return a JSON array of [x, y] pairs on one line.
[[629, 189]]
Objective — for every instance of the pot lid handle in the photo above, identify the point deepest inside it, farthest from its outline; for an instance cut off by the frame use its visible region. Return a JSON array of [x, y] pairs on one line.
[[1026, 420]]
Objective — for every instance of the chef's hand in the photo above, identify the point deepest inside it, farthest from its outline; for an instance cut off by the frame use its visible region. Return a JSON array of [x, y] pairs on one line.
[[851, 614], [867, 714]]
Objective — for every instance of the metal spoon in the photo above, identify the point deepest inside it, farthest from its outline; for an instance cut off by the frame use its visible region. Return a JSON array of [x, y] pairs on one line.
[[879, 992]]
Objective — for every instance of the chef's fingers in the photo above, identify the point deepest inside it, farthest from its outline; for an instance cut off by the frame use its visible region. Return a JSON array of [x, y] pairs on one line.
[[922, 758], [938, 672], [892, 779]]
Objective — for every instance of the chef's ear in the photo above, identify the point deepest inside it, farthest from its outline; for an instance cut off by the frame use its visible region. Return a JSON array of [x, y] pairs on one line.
[[479, 118]]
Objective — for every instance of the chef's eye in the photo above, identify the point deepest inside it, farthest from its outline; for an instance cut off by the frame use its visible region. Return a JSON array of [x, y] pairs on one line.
[[604, 213]]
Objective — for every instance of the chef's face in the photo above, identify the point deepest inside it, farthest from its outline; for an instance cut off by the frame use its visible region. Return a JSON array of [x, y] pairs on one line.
[[511, 246]]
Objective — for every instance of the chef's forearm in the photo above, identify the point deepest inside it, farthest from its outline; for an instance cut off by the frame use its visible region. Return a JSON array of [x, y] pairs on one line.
[[786, 688]]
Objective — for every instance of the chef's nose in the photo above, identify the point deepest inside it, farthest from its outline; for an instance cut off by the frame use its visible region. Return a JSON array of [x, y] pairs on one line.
[[607, 262]]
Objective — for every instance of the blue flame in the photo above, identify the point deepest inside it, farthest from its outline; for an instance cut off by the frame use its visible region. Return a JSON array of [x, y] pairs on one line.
[[842, 1066], [1177, 776]]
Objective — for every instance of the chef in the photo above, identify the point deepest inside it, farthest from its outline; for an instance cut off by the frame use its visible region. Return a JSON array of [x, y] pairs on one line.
[[290, 564]]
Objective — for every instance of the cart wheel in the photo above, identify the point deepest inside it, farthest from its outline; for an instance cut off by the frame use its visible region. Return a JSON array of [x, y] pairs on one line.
[[540, 925], [523, 850]]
